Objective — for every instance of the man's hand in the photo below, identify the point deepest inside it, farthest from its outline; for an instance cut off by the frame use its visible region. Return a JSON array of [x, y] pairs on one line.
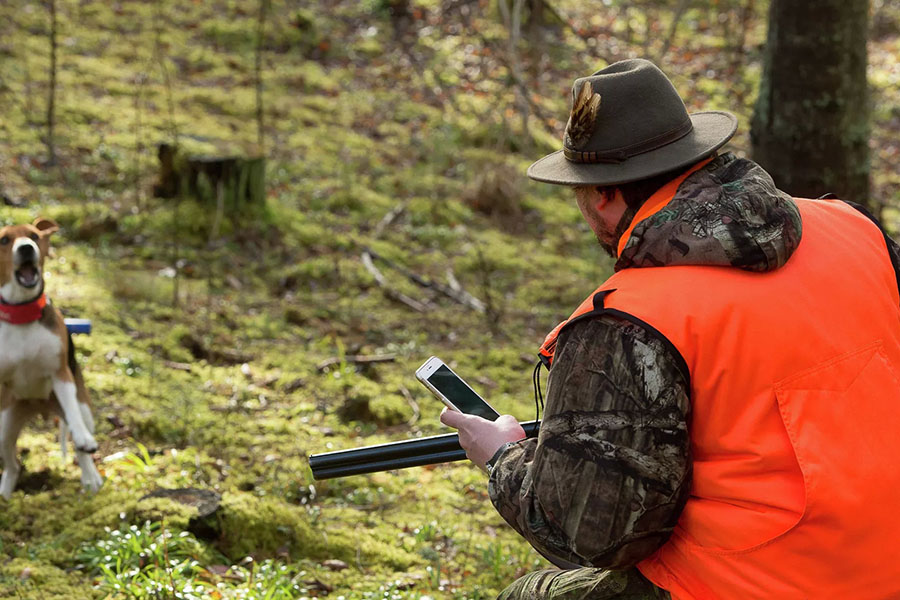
[[481, 438]]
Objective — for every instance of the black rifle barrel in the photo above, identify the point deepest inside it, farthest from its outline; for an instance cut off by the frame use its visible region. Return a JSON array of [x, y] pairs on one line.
[[395, 455]]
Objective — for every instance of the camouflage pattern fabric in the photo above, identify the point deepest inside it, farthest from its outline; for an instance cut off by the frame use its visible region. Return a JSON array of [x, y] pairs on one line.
[[583, 584], [728, 213], [606, 479]]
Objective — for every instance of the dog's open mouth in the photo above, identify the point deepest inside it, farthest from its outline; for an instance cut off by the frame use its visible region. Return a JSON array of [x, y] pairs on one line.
[[28, 275]]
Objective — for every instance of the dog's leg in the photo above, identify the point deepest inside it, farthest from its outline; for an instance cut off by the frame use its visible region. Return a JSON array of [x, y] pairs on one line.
[[90, 477], [63, 435], [66, 395], [12, 418]]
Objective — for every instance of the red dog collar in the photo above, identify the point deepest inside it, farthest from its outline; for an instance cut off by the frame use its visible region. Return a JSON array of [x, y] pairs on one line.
[[27, 312]]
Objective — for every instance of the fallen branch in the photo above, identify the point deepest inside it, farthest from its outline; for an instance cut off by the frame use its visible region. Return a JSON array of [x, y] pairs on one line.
[[389, 291], [412, 404], [389, 218], [356, 359], [465, 296], [178, 366], [454, 292]]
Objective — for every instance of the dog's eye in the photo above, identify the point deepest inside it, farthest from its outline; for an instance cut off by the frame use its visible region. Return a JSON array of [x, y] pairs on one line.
[[4, 240], [35, 236]]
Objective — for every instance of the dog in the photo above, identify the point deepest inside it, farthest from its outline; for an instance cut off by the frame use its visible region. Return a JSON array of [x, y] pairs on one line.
[[38, 370]]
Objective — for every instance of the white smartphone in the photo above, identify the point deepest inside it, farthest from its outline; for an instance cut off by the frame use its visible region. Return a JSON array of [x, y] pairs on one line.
[[450, 389]]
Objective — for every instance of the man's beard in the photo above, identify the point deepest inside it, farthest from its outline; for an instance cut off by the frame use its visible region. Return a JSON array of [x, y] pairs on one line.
[[609, 240]]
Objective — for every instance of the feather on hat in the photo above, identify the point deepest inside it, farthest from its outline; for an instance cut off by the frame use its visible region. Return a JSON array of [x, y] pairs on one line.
[[584, 115]]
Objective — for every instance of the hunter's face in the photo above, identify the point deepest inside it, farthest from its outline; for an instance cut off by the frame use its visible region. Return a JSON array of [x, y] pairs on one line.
[[597, 208]]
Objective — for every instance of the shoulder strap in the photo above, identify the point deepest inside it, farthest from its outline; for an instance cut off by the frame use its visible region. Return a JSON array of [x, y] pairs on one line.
[[888, 242], [548, 349]]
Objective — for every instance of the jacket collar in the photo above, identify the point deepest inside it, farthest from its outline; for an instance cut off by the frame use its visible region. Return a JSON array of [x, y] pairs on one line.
[[658, 201]]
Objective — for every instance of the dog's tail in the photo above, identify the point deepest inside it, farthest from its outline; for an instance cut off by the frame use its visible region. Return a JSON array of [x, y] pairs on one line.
[[63, 434]]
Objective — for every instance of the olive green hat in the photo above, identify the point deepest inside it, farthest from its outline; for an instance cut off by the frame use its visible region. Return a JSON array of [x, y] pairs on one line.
[[628, 123]]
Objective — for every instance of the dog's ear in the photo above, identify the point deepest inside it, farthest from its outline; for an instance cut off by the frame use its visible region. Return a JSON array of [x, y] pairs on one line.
[[46, 226]]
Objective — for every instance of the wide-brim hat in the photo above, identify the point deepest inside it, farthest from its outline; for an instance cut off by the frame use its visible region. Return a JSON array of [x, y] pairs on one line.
[[629, 123]]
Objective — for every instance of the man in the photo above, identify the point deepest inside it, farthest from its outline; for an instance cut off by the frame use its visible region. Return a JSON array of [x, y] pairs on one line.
[[722, 412]]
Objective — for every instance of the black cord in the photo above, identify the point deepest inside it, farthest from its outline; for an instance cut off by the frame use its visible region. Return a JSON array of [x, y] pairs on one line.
[[538, 394]]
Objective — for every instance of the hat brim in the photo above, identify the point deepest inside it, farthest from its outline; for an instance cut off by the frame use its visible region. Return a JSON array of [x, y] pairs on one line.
[[712, 129]]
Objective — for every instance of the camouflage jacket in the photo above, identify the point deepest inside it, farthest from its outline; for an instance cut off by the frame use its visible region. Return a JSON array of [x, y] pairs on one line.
[[605, 482]]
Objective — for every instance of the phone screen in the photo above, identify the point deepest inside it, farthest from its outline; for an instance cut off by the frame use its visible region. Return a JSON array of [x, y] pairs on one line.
[[460, 394]]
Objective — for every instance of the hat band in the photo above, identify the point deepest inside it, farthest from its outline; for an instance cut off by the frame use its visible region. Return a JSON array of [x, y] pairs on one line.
[[618, 155]]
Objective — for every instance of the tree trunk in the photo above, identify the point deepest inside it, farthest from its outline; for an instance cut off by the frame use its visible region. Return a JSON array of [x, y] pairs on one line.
[[260, 32], [51, 101], [810, 129]]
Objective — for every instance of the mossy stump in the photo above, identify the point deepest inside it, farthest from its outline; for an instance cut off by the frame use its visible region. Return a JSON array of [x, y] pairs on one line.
[[203, 523], [230, 182]]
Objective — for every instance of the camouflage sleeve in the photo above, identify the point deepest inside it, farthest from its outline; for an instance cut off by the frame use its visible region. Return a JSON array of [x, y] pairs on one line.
[[606, 479]]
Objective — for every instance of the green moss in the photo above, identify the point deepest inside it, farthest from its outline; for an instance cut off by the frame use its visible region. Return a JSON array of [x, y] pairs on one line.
[[174, 514], [390, 409], [28, 579], [260, 527]]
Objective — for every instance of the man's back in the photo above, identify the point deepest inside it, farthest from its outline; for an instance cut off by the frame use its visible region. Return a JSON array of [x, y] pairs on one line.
[[794, 380]]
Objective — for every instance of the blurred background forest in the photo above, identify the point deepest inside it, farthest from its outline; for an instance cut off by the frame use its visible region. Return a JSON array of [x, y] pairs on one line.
[[274, 211]]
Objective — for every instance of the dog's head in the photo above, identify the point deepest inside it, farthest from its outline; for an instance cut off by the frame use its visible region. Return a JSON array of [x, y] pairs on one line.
[[23, 249]]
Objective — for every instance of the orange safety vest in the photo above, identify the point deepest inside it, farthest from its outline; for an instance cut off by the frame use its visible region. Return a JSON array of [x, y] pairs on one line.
[[795, 424]]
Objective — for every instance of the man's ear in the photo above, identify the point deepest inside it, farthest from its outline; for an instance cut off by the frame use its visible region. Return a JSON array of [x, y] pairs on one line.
[[46, 226], [602, 197]]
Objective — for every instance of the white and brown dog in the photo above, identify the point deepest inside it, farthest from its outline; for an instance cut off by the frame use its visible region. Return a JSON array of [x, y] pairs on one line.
[[38, 370]]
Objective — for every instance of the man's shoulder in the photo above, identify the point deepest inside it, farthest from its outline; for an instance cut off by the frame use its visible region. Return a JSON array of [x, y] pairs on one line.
[[620, 343]]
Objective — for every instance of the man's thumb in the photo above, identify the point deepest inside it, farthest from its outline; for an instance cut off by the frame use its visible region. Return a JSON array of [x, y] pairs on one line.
[[452, 418]]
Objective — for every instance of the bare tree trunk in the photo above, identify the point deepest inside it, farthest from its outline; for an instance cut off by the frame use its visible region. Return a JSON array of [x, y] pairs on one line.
[[811, 124], [260, 31], [160, 58], [673, 27], [512, 18], [51, 101], [139, 81], [29, 96]]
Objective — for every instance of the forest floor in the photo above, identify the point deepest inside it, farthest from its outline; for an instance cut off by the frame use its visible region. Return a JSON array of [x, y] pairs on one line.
[[400, 132]]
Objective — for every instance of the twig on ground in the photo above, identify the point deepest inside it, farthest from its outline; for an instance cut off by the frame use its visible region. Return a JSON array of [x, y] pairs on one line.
[[465, 297], [412, 404], [388, 219], [389, 291], [454, 292], [357, 359], [178, 366]]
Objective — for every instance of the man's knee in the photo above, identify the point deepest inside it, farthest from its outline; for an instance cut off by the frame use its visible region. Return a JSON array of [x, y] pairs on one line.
[[583, 584]]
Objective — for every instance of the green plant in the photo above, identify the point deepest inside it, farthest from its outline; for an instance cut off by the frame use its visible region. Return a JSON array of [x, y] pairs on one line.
[[154, 562], [145, 562], [138, 463]]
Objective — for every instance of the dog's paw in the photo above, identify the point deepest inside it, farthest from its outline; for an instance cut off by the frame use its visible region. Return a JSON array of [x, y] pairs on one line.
[[8, 482], [85, 443], [91, 480]]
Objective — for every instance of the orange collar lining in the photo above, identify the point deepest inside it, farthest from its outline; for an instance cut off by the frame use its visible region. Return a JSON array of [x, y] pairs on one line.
[[658, 201]]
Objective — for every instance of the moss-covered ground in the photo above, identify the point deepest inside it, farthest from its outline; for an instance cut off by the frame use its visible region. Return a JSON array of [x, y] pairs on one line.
[[399, 131]]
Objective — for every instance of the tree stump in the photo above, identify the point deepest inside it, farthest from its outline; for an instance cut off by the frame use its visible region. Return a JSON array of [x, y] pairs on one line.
[[204, 524], [229, 182]]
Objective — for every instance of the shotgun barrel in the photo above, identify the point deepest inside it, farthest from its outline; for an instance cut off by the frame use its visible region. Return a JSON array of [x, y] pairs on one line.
[[395, 455]]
